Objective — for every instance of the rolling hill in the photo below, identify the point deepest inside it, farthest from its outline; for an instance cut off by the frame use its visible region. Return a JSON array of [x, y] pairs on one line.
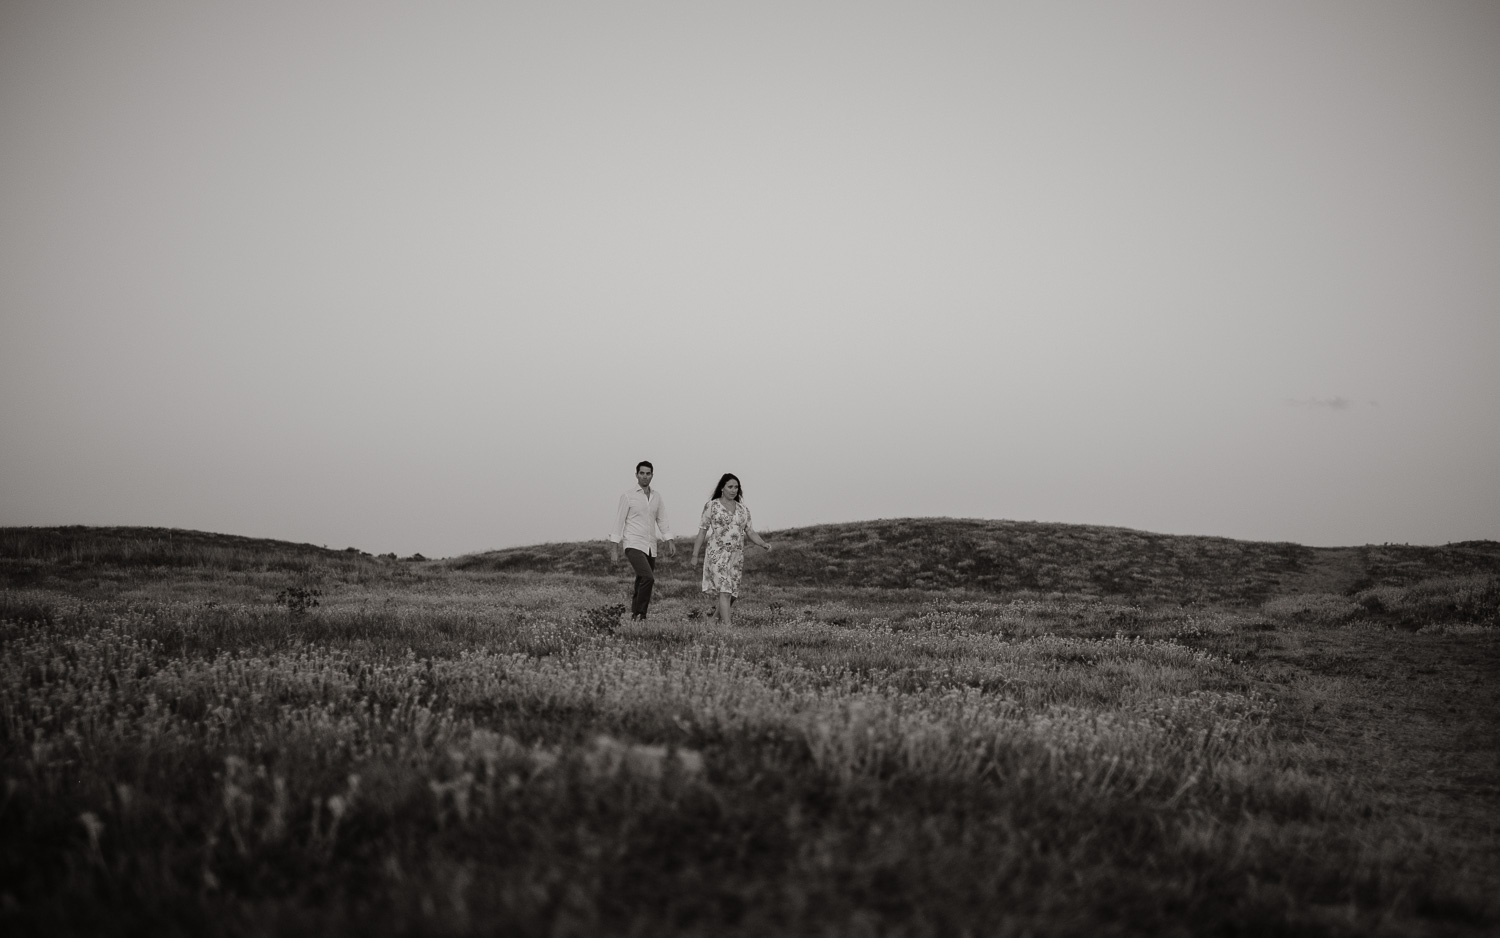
[[1004, 557], [1017, 556]]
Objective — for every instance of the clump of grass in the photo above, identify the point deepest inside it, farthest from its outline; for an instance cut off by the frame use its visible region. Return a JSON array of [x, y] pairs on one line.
[[1426, 603], [604, 618], [1466, 599], [20, 607], [1314, 608]]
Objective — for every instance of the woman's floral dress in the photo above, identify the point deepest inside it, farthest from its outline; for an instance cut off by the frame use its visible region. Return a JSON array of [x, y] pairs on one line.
[[725, 546]]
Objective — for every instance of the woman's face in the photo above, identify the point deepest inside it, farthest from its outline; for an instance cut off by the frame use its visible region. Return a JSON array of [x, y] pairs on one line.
[[732, 489]]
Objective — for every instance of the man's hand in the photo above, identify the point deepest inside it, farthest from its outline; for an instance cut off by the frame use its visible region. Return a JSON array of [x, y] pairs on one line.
[[671, 548], [614, 553]]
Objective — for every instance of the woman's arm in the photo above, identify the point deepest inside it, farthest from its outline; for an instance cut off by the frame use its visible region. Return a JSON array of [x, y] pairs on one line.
[[702, 529], [750, 532]]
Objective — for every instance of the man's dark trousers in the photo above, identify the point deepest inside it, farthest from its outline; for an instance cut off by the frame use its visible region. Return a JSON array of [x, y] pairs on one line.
[[645, 578]]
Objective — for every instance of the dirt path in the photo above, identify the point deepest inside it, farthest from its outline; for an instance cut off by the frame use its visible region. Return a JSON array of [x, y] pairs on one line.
[[1332, 570], [1414, 718]]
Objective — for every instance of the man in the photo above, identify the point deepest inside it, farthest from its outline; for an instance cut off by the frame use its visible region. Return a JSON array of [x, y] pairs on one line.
[[641, 515]]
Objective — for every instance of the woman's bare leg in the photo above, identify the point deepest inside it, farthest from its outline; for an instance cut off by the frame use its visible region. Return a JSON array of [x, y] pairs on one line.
[[726, 601]]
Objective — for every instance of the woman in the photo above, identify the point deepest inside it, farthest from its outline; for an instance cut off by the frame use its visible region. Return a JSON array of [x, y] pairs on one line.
[[725, 525]]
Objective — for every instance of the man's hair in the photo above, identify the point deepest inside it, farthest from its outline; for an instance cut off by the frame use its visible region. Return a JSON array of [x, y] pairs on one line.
[[647, 465], [719, 489]]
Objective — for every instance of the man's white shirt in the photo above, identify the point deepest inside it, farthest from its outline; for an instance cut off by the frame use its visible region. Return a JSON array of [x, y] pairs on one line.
[[639, 519]]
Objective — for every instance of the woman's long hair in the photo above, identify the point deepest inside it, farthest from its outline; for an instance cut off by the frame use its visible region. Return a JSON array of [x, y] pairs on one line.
[[719, 489]]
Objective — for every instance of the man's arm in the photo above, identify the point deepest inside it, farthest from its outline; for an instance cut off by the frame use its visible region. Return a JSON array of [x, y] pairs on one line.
[[664, 528], [619, 532]]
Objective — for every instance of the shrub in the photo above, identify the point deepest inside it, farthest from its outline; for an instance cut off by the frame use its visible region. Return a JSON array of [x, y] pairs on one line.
[[298, 599]]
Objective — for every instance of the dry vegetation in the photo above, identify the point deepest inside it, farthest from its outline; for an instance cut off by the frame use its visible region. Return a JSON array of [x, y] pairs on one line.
[[1017, 729]]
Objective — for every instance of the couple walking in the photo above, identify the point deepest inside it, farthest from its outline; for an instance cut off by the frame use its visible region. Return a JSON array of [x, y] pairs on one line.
[[722, 528]]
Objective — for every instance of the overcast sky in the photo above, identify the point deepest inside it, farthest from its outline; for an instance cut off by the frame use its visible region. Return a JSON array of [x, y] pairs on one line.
[[433, 276]]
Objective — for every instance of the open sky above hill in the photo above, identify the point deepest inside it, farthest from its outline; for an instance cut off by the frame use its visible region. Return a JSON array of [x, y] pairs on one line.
[[433, 276]]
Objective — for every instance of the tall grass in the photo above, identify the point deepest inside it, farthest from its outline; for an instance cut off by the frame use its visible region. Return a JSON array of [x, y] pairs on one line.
[[450, 751]]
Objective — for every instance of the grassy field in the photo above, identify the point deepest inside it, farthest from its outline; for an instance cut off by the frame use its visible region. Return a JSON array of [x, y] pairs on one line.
[[916, 727]]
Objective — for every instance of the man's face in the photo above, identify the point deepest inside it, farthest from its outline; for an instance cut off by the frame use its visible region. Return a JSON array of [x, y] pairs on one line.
[[643, 476]]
